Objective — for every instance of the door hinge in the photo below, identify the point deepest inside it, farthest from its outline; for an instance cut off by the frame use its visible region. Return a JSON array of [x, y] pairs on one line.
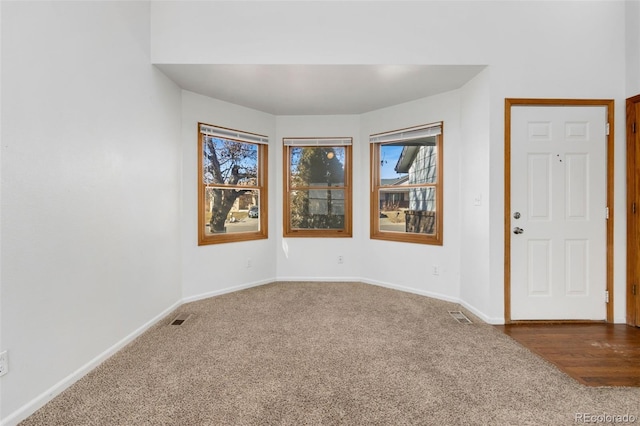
[[608, 128], [607, 213], [633, 208], [633, 127], [634, 290], [606, 296]]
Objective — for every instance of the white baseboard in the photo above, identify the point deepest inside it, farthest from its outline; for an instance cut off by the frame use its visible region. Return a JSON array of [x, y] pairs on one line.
[[31, 407], [483, 317], [320, 279], [439, 296], [25, 411], [620, 320], [226, 290]]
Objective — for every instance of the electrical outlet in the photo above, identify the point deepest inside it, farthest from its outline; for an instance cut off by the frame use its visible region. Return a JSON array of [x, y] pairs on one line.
[[340, 259], [4, 363], [249, 263], [436, 270]]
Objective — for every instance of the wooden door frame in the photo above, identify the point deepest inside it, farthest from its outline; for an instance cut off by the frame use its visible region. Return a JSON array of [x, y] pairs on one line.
[[633, 243], [510, 102]]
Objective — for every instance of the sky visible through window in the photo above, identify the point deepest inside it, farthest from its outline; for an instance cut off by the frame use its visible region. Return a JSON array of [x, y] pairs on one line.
[[389, 155]]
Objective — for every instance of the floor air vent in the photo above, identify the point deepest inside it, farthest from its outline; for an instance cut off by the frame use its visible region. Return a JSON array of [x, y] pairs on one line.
[[180, 319], [460, 317]]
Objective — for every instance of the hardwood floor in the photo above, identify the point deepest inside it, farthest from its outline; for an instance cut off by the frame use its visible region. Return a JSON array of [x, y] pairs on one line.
[[593, 354]]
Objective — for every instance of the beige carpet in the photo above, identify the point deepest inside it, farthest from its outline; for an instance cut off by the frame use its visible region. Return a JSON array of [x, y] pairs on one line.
[[327, 353]]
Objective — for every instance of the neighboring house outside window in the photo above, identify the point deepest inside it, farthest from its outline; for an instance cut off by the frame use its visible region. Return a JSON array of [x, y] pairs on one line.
[[232, 185], [317, 193], [406, 188]]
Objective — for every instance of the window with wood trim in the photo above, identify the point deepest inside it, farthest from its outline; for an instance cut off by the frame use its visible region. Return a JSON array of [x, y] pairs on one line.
[[317, 187], [232, 185], [406, 185]]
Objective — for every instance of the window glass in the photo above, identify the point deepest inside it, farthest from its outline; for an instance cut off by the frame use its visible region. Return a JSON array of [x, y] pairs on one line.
[[317, 194], [232, 190], [241, 216], [407, 196], [317, 209], [312, 166], [227, 161]]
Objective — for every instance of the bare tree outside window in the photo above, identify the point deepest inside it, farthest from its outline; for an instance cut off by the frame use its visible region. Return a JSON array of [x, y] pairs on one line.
[[234, 165], [232, 186]]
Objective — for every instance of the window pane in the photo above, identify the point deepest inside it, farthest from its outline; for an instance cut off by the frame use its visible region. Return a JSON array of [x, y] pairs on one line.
[[413, 162], [317, 209], [231, 210], [229, 162], [409, 210], [317, 166]]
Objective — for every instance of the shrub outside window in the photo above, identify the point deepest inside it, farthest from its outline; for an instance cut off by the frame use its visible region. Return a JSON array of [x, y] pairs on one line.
[[406, 190], [317, 187], [232, 185]]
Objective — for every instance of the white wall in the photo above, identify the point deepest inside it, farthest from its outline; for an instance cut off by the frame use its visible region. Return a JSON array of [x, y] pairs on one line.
[[90, 191], [474, 191], [214, 269], [305, 259], [410, 266], [94, 245], [632, 28], [533, 49], [2, 346], [557, 50], [310, 259], [317, 32]]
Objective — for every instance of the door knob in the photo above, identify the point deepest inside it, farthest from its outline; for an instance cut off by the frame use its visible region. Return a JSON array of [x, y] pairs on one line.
[[517, 230]]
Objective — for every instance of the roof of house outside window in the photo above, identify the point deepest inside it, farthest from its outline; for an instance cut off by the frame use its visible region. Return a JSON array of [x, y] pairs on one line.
[[395, 181]]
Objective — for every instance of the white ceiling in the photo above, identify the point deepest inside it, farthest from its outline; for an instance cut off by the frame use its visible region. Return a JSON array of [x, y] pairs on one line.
[[319, 89]]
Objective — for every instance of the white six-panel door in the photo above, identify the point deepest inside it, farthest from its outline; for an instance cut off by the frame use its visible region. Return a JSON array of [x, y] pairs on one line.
[[558, 212]]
